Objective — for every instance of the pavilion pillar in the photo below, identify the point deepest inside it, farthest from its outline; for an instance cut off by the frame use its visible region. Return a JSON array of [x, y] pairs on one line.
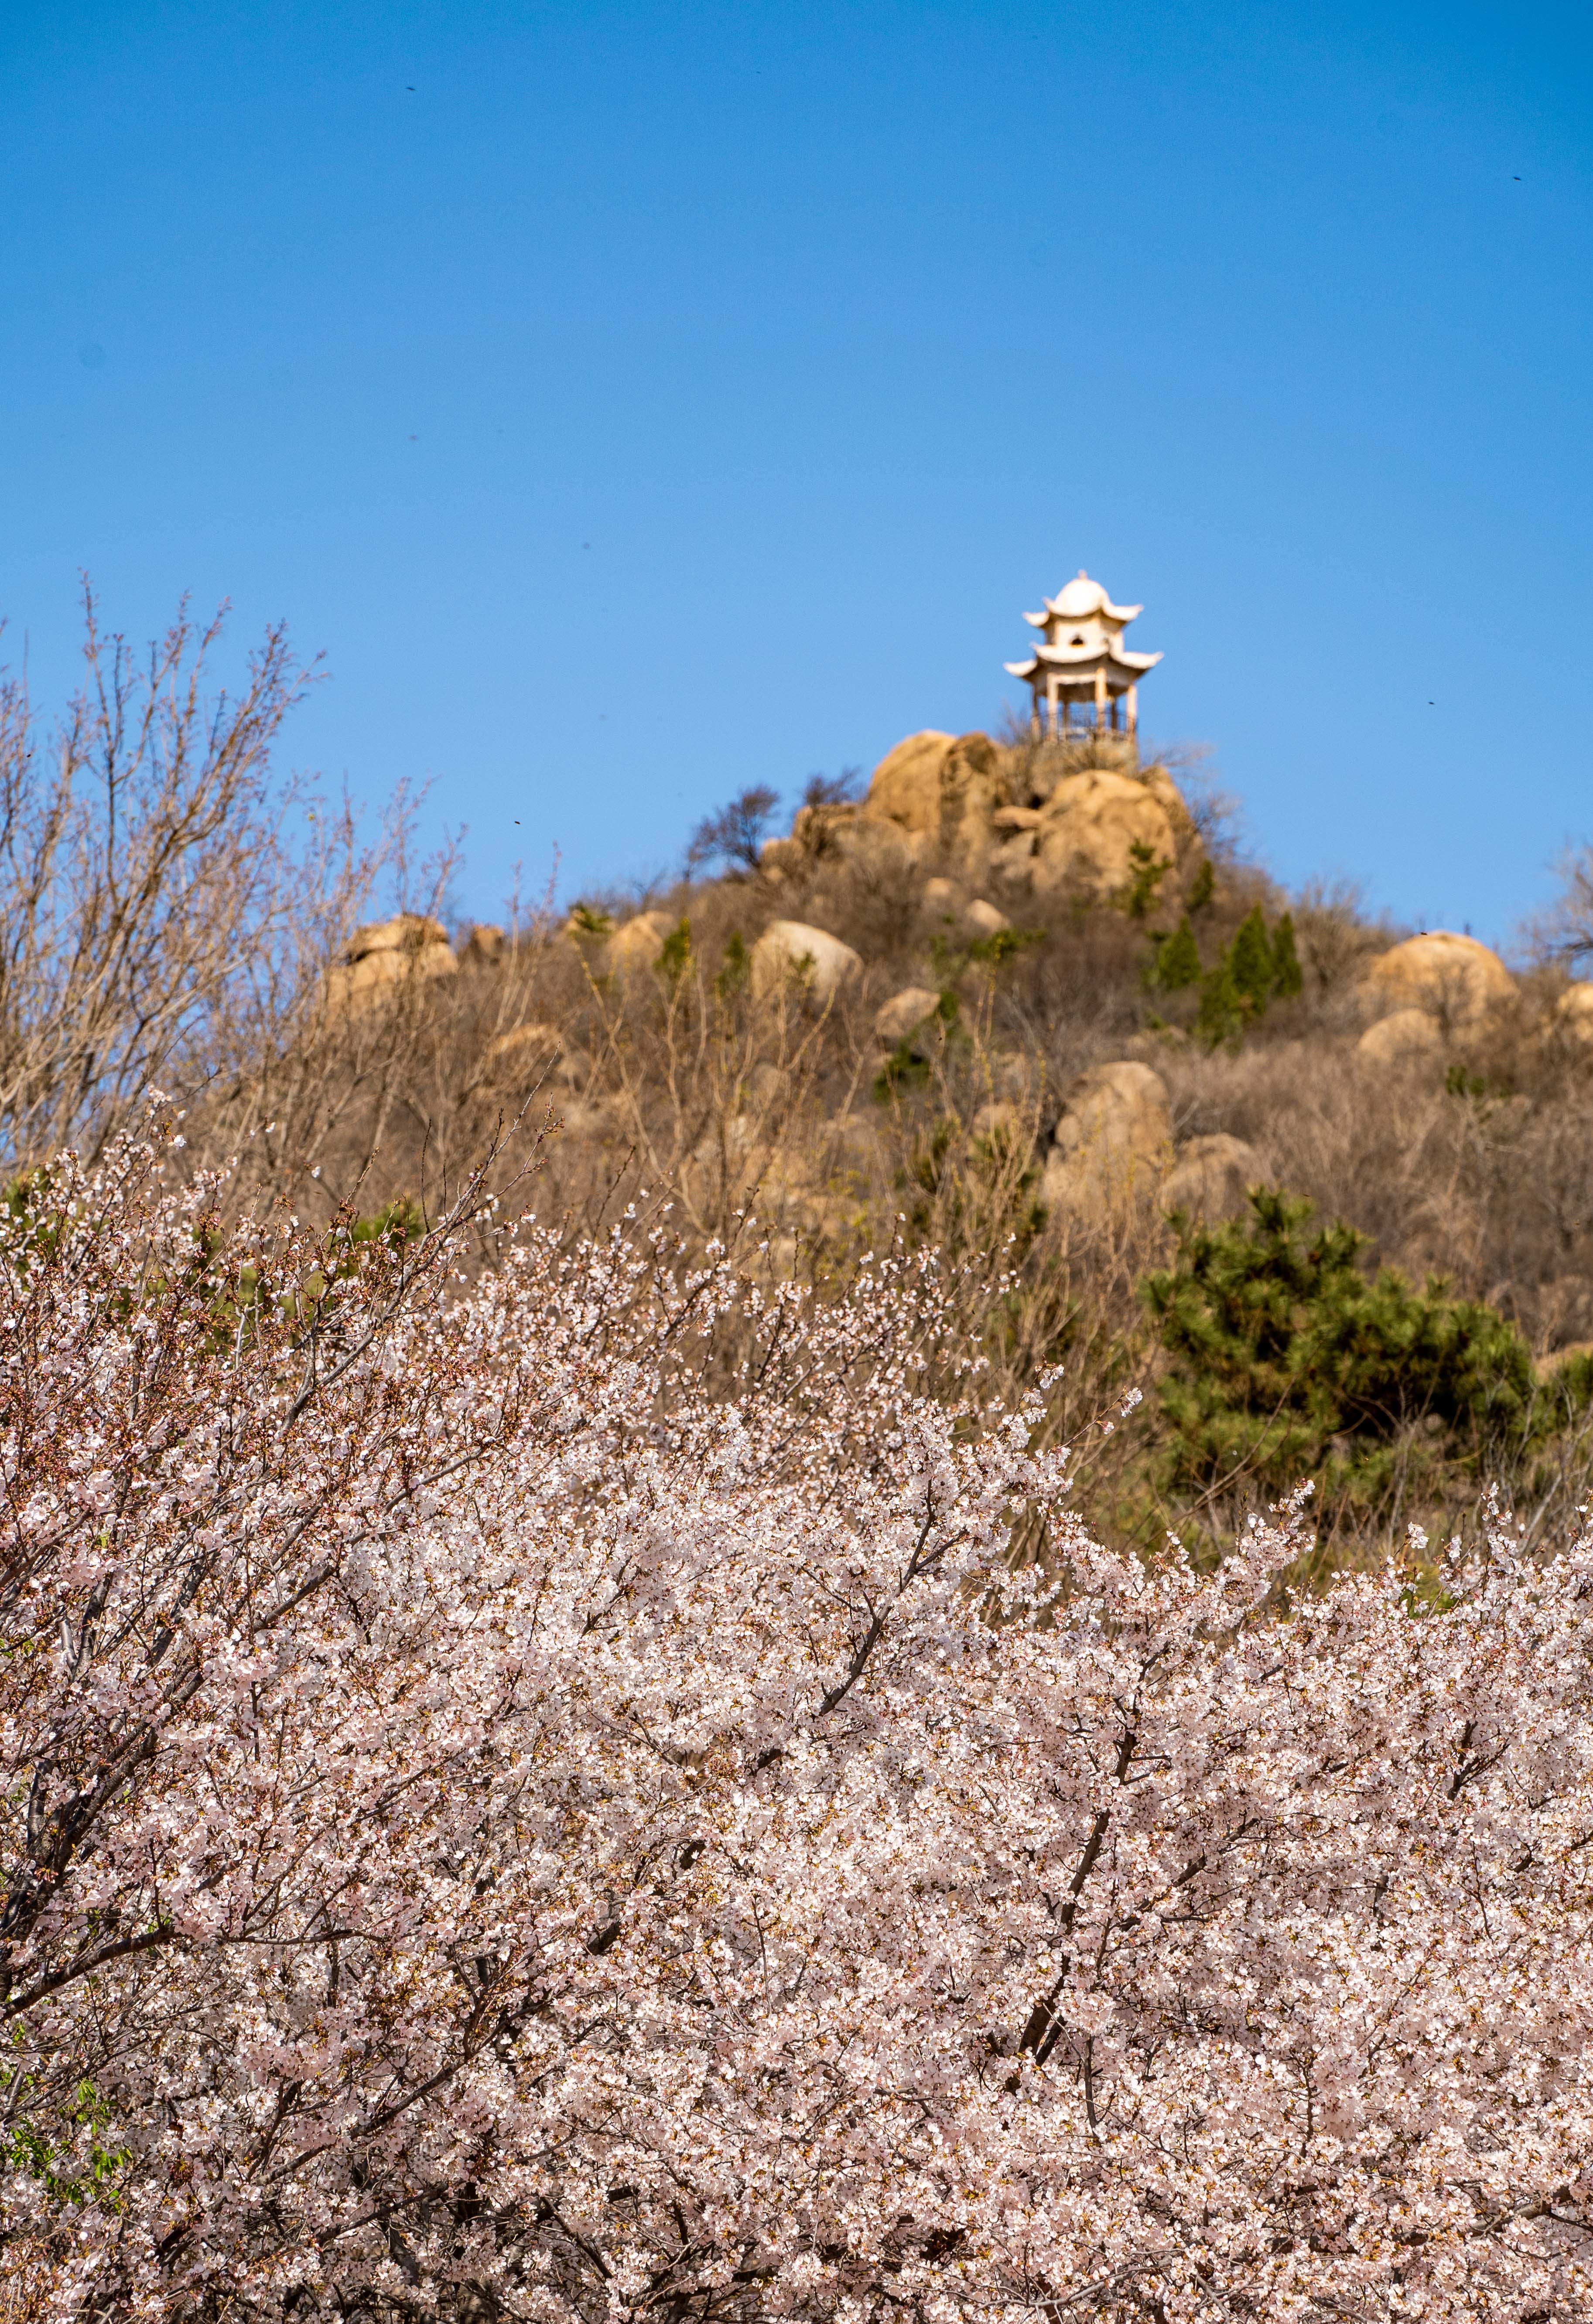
[[1133, 704], [1100, 699], [1051, 700]]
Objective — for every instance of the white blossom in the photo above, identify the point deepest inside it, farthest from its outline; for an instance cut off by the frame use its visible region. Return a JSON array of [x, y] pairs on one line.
[[549, 1796]]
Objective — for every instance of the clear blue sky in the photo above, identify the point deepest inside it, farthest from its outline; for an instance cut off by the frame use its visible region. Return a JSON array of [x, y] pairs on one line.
[[635, 403]]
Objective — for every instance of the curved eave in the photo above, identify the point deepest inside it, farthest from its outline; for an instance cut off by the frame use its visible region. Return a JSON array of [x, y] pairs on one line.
[[1081, 661], [1037, 620], [1022, 668], [1084, 613]]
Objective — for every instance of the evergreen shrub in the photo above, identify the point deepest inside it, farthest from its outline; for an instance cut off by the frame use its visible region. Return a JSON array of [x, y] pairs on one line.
[[1288, 1362]]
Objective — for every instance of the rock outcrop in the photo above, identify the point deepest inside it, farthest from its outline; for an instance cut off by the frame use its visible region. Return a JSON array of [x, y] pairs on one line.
[[972, 785], [1080, 843], [790, 953], [1118, 1109], [1173, 805], [906, 785], [952, 800], [1453, 978], [522, 1056], [822, 837], [1573, 1012], [382, 955], [1409, 1034], [1115, 1134], [974, 915], [942, 789], [484, 947], [904, 1013], [636, 944]]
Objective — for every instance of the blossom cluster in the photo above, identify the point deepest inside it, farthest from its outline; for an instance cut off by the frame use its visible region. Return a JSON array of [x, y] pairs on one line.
[[520, 1800]]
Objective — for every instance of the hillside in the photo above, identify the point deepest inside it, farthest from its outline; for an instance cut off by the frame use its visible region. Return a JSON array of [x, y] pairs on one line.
[[1021, 1002]]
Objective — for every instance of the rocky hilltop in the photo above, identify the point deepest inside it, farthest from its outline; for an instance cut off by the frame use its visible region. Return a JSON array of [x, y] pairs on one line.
[[1027, 820], [1053, 910]]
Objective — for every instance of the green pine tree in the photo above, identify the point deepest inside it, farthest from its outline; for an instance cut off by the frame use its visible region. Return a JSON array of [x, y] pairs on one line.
[[1178, 959], [1224, 1011], [1252, 961], [1289, 1362], [737, 967], [1288, 979], [1147, 869], [675, 958], [1203, 886]]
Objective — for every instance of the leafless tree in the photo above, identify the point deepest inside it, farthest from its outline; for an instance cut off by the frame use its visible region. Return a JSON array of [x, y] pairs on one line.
[[834, 790], [168, 904], [733, 835], [1563, 931]]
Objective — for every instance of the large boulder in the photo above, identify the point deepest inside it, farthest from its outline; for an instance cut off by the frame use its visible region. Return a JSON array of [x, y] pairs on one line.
[[1452, 977], [484, 947], [1212, 1178], [904, 1013], [1173, 805], [1081, 842], [789, 952], [1010, 821], [1409, 1035], [1118, 1111], [524, 1056], [906, 785], [636, 944], [972, 785], [1113, 1139], [1573, 1012], [942, 789], [411, 946], [842, 832]]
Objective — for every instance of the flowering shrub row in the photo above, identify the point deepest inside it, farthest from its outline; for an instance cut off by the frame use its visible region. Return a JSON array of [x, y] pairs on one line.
[[503, 1819]]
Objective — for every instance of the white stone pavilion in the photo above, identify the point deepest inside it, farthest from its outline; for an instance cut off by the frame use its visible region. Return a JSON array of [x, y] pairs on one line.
[[1082, 658]]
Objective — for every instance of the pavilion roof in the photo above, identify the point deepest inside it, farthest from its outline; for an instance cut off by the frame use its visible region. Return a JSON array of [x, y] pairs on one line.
[[1081, 596], [1083, 661]]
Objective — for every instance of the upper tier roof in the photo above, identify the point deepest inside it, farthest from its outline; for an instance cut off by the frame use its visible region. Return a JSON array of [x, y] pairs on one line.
[[1081, 596]]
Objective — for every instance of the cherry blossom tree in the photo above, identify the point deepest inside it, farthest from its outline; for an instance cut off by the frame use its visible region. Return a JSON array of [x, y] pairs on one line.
[[591, 1794]]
